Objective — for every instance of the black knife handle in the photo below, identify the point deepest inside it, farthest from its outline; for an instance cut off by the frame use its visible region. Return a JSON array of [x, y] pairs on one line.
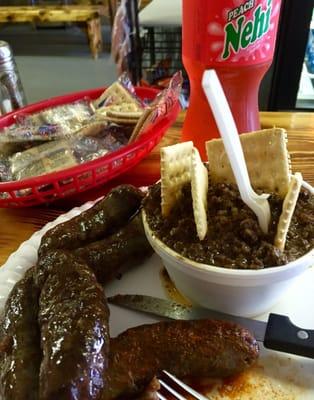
[[282, 335]]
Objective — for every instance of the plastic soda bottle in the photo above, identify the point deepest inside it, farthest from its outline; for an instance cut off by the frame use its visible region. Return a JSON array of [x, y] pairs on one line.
[[237, 39]]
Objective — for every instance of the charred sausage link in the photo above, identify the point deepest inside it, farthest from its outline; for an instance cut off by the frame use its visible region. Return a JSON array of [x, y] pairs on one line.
[[112, 256], [73, 318], [108, 215], [20, 353], [184, 348]]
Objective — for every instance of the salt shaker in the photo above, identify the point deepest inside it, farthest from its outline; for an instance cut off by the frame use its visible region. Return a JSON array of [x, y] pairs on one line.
[[5, 101], [9, 77]]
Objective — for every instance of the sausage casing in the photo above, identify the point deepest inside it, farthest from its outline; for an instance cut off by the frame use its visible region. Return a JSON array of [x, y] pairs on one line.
[[201, 348], [105, 217], [20, 353], [112, 256], [73, 318]]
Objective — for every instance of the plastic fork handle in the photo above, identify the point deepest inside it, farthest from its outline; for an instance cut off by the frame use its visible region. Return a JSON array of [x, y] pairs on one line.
[[229, 133], [282, 335]]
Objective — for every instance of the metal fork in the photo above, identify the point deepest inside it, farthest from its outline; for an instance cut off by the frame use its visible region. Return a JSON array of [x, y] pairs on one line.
[[176, 382]]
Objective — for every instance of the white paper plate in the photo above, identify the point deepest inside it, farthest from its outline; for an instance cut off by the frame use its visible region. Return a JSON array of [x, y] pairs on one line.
[[277, 376]]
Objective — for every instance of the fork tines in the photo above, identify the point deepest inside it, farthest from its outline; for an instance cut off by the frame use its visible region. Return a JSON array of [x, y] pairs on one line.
[[170, 389]]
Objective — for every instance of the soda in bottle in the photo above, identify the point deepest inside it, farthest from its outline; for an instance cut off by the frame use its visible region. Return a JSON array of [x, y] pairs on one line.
[[237, 39]]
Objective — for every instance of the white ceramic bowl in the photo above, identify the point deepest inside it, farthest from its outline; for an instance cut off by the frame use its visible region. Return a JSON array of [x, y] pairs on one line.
[[239, 292]]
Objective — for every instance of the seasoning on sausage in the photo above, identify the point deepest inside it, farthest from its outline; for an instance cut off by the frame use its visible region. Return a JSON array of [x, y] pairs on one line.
[[20, 353], [201, 348], [112, 256], [73, 318], [108, 215]]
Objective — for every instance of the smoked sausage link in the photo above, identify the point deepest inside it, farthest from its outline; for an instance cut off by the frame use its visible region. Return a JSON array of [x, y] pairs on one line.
[[104, 218], [201, 348], [20, 353], [73, 318]]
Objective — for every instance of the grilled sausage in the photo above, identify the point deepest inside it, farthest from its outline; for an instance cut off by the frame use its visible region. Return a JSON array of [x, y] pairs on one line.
[[73, 318], [20, 353], [184, 348], [108, 215], [110, 257]]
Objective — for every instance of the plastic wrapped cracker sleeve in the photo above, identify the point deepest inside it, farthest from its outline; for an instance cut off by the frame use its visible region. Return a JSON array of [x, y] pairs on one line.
[[98, 126], [43, 159], [120, 38], [159, 108], [125, 81], [62, 154], [5, 171], [20, 138], [119, 93], [93, 127], [89, 148], [69, 117]]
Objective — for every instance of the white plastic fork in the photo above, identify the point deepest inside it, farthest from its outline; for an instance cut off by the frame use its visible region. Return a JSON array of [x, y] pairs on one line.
[[229, 134], [174, 392]]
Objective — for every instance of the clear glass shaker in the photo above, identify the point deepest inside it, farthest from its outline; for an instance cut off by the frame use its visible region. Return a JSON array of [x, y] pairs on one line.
[[5, 101], [9, 77]]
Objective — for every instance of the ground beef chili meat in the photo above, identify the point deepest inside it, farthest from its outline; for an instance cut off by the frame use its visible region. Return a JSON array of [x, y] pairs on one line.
[[234, 238]]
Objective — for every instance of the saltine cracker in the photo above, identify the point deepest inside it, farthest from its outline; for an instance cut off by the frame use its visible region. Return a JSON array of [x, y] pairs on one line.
[[121, 121], [118, 110], [199, 187], [288, 208], [266, 157], [125, 114], [116, 94], [141, 123], [175, 170]]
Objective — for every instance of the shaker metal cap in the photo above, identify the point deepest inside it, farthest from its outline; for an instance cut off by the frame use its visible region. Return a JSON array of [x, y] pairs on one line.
[[5, 51]]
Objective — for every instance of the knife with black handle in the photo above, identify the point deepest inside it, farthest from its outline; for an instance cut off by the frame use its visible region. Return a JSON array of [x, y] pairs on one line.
[[278, 333]]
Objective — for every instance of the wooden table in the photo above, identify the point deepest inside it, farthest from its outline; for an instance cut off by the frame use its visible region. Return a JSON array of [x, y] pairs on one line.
[[17, 225], [83, 14], [87, 14]]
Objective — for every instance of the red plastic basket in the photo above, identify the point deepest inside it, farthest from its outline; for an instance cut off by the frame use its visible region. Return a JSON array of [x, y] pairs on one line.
[[53, 186]]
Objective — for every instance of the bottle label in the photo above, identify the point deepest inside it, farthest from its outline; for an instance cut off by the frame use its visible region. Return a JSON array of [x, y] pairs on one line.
[[228, 31]]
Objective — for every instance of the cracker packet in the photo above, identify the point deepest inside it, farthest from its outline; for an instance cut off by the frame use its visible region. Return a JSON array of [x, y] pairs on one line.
[[90, 148], [68, 117], [119, 104], [120, 92], [43, 159], [5, 171], [64, 136], [18, 138], [159, 108], [60, 154], [120, 38]]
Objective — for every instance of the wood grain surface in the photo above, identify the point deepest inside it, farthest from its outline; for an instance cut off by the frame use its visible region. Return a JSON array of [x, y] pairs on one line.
[[82, 13], [17, 225]]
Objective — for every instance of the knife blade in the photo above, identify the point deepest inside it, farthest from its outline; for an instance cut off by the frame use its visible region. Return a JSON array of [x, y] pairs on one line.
[[278, 333]]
